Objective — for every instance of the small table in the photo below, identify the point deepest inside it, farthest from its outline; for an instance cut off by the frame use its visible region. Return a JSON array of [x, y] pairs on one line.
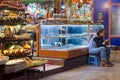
[[115, 48], [41, 64], [2, 68], [32, 70]]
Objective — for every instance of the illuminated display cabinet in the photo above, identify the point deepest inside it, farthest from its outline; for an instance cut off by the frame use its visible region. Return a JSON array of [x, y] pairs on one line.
[[65, 41]]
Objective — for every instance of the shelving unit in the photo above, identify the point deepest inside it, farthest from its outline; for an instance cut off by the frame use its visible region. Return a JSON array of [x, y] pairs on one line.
[[18, 55]]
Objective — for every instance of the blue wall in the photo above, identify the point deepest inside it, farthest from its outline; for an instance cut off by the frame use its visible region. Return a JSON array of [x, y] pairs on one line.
[[115, 1], [99, 6]]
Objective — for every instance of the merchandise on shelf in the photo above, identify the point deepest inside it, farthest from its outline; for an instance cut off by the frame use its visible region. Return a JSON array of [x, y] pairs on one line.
[[15, 65], [17, 41], [11, 32], [79, 10], [13, 5], [3, 59], [41, 10], [28, 62], [33, 63], [21, 64], [16, 50]]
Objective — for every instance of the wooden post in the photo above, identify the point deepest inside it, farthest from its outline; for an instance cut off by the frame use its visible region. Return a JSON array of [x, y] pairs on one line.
[[38, 38]]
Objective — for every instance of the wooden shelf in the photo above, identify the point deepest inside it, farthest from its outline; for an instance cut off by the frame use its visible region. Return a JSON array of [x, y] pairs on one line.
[[65, 54]]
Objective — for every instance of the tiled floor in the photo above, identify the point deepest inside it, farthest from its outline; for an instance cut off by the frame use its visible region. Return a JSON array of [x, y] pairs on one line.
[[87, 72], [90, 73]]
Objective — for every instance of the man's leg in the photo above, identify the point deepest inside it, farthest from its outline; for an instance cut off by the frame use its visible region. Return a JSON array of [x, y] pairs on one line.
[[108, 52], [101, 51]]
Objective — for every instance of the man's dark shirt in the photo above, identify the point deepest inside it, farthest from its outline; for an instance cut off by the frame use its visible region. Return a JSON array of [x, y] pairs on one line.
[[99, 41]]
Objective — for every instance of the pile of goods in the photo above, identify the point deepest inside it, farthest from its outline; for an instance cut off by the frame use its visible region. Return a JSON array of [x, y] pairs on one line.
[[10, 32], [2, 35], [22, 36], [16, 50], [12, 20], [13, 5], [3, 59], [19, 64], [22, 63], [15, 65], [31, 63]]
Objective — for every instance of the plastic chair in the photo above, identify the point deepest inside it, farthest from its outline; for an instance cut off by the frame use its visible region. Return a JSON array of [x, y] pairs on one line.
[[94, 60]]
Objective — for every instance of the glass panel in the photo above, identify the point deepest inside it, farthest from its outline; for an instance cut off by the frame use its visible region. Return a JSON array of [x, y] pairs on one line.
[[93, 29], [64, 36], [115, 20]]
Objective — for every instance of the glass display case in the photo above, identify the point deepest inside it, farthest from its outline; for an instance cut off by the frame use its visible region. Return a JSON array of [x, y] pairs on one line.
[[58, 38], [63, 37]]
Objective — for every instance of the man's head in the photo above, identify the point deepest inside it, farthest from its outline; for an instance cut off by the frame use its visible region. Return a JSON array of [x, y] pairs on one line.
[[101, 33]]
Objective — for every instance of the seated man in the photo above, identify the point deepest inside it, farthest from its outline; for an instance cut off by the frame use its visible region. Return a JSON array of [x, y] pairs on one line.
[[98, 45]]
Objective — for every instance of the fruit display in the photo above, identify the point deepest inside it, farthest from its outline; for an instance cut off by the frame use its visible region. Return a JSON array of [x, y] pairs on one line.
[[16, 51], [15, 35]]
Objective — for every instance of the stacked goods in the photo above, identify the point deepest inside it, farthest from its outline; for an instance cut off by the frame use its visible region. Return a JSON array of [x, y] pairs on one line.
[[57, 6], [17, 51], [11, 20], [23, 36], [10, 32], [14, 5], [31, 63], [22, 63], [2, 35], [3, 59], [15, 65]]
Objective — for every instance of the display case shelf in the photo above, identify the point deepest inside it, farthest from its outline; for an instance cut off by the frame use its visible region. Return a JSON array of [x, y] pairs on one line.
[[66, 35], [12, 39]]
